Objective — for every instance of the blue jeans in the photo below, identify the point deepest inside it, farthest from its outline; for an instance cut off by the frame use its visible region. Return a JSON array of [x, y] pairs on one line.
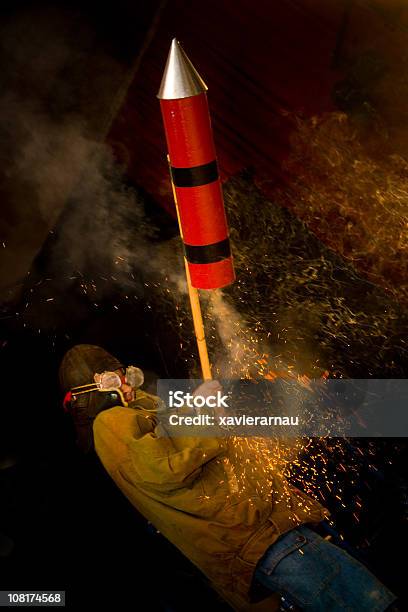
[[315, 575]]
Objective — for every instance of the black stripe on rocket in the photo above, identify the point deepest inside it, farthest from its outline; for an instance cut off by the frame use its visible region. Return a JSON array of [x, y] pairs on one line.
[[195, 176], [208, 253]]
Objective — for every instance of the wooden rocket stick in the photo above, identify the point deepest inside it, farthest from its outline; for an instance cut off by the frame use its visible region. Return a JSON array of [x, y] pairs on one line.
[[195, 308]]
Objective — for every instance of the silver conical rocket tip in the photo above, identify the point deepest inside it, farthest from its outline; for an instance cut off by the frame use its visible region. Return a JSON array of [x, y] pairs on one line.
[[180, 78]]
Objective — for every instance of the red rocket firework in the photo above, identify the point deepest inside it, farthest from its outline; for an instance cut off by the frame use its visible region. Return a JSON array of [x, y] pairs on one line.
[[194, 171]]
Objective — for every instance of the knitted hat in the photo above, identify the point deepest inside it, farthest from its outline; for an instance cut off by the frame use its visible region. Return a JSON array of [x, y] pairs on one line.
[[81, 362], [78, 367]]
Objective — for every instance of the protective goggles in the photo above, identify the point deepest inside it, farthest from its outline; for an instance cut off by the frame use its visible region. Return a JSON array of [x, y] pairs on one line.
[[108, 382]]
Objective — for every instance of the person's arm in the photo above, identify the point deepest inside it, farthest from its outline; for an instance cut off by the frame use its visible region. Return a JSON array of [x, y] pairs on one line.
[[123, 435], [172, 463]]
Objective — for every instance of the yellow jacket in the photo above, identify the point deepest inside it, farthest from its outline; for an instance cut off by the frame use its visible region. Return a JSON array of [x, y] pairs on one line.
[[192, 490]]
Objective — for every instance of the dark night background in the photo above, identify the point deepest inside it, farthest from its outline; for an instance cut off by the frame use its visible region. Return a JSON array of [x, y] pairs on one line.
[[308, 102]]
